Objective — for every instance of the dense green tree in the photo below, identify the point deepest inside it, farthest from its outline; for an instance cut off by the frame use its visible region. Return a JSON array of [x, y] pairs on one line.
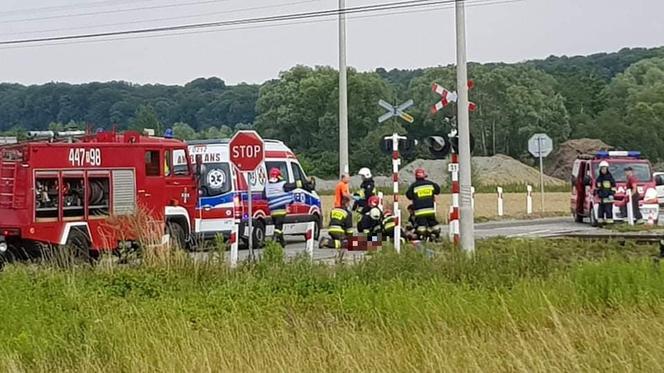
[[634, 117], [301, 109], [146, 118]]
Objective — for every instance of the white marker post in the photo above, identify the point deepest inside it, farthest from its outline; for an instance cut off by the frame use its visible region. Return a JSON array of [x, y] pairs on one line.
[[529, 200], [500, 201], [233, 240], [630, 207]]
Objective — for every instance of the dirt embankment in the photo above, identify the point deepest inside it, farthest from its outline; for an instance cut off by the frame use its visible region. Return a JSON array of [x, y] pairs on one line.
[[559, 164], [496, 170]]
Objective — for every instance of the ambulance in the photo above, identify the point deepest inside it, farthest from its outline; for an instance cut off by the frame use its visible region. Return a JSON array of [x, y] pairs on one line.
[[223, 193]]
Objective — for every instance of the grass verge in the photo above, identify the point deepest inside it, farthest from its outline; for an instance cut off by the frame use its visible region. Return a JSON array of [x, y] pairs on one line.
[[518, 305]]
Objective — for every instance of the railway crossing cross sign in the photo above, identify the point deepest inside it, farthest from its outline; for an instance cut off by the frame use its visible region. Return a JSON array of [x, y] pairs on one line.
[[396, 111], [446, 97]]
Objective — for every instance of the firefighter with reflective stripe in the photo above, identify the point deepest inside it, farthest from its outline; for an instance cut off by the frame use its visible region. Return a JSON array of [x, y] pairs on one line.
[[277, 193], [605, 188], [341, 225], [371, 222], [389, 224], [367, 190], [423, 193]]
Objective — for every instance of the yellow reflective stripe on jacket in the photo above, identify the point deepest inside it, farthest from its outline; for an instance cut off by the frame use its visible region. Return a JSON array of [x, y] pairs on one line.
[[338, 214], [336, 229], [423, 212], [424, 191]]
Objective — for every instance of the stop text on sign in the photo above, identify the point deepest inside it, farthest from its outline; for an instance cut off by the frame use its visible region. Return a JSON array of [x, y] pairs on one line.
[[246, 151]]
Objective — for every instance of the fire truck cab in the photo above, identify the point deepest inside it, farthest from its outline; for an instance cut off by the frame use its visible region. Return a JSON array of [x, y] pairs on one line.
[[74, 192], [584, 203]]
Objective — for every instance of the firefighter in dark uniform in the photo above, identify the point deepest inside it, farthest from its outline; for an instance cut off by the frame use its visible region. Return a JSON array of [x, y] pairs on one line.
[[423, 193], [371, 222], [367, 190], [605, 188], [277, 193], [341, 226]]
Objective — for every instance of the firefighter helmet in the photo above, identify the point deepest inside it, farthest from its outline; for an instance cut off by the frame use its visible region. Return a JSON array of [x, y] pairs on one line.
[[603, 164], [365, 173], [420, 174], [373, 201], [275, 173], [375, 213]]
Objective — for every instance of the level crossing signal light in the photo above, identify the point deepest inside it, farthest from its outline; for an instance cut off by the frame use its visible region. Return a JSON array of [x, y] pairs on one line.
[[440, 147]]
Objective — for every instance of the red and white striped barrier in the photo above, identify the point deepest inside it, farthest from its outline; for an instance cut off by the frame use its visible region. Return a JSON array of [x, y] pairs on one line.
[[501, 202], [234, 241], [309, 236], [456, 188]]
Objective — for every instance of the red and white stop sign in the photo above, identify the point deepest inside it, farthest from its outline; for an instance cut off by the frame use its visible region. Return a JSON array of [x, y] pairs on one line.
[[246, 150]]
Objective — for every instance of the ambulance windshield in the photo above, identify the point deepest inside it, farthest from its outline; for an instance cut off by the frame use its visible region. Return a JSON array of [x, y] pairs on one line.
[[641, 170]]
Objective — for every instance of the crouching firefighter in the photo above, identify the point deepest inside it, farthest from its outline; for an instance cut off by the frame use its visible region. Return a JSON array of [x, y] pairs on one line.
[[371, 222], [341, 225], [422, 193], [277, 193], [605, 188]]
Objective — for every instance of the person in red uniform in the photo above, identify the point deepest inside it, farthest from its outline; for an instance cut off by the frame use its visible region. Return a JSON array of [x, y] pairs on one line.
[[632, 186]]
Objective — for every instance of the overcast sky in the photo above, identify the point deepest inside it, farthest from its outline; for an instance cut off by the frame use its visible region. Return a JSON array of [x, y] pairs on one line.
[[506, 32]]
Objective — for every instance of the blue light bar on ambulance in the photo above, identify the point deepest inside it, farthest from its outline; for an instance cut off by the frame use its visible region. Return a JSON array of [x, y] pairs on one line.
[[614, 153]]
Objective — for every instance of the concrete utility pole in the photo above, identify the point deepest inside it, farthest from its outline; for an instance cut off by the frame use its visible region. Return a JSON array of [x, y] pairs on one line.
[[343, 92], [467, 228]]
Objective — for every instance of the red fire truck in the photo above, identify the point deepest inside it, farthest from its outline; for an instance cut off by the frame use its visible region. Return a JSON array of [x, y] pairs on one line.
[[76, 192]]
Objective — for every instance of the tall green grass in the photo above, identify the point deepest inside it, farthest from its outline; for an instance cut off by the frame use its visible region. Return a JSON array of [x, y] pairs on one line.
[[518, 305]]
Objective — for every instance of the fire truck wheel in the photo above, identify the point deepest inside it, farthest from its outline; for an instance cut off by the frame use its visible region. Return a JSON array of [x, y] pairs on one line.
[[79, 247], [578, 218], [177, 235]]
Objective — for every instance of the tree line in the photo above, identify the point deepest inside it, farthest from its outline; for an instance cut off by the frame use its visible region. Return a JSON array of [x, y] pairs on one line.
[[616, 97]]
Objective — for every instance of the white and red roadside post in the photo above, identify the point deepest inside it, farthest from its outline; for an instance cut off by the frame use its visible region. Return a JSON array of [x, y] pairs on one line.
[[309, 236], [446, 97], [453, 168], [630, 207], [396, 162], [247, 152]]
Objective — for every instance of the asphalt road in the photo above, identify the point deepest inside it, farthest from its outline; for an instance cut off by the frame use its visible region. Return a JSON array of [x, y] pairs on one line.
[[537, 228]]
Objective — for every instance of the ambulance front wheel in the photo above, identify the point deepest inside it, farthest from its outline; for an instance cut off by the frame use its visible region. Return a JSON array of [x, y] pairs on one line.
[[317, 223], [258, 234]]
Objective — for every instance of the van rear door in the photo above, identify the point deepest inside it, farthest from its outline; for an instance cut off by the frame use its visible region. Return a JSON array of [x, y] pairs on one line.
[[215, 210]]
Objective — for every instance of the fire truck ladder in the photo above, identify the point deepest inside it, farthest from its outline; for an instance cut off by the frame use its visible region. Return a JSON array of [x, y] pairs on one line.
[[7, 184]]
